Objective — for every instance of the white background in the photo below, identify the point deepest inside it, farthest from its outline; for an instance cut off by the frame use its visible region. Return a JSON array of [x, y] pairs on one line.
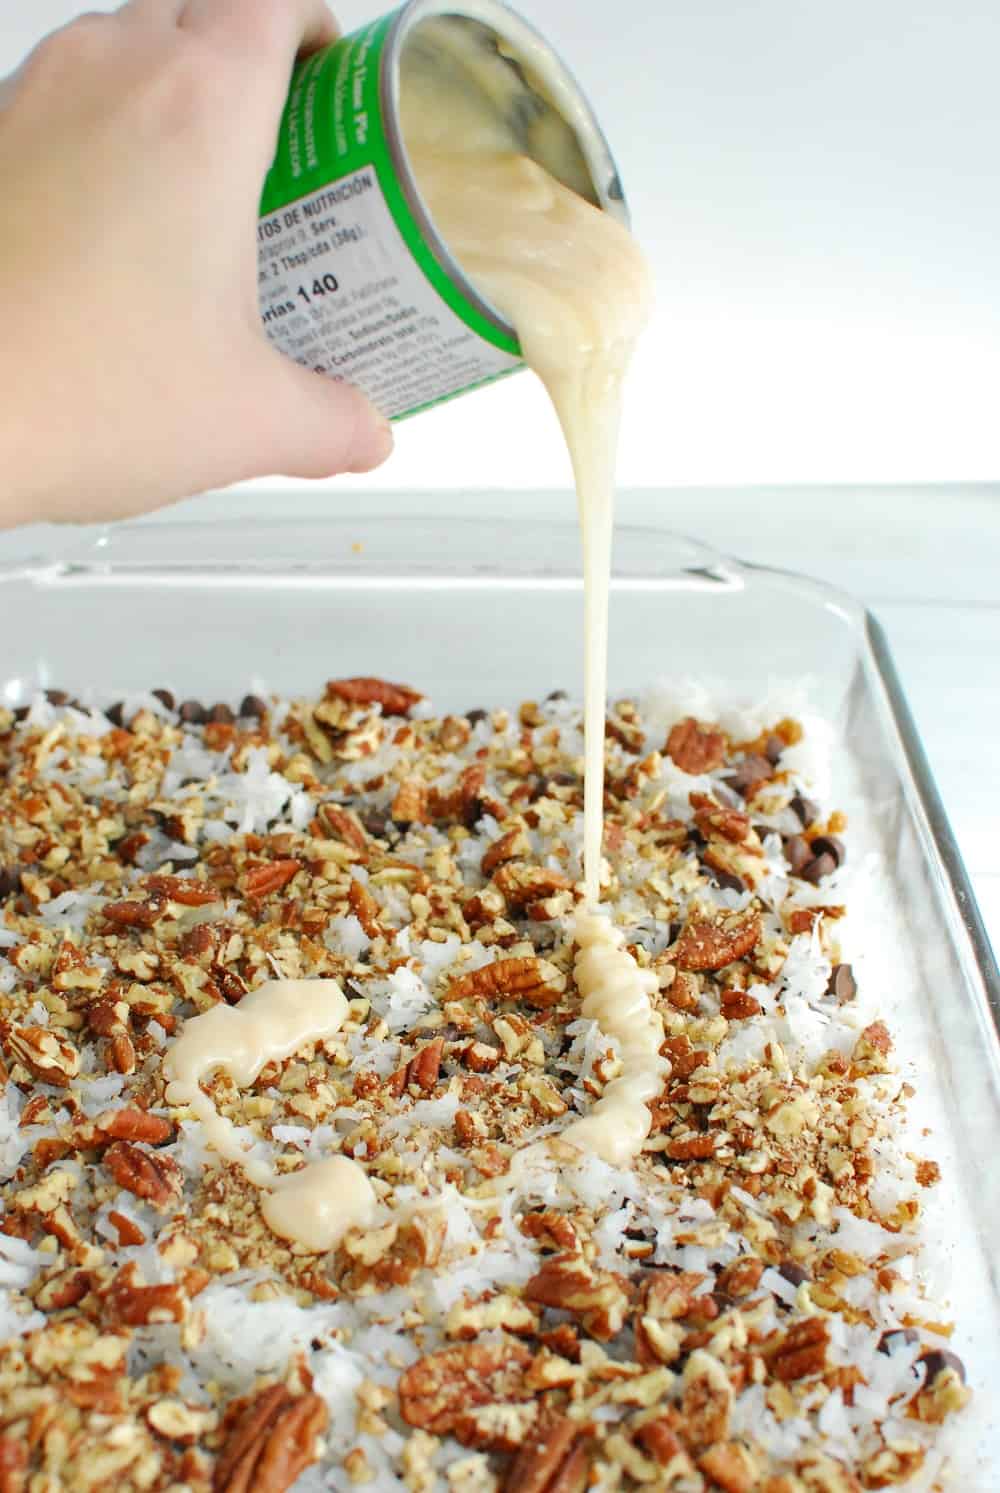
[[817, 185]]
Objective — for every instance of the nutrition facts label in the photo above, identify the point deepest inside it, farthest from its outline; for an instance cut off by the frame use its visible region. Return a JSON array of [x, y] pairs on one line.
[[341, 293]]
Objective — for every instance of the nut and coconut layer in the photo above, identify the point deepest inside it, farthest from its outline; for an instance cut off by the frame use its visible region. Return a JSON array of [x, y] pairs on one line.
[[736, 1311]]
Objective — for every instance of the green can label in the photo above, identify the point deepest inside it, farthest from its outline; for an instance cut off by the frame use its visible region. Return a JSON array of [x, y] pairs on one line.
[[348, 284]]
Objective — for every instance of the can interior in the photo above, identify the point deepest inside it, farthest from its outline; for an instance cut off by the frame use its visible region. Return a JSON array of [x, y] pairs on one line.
[[511, 84], [522, 81]]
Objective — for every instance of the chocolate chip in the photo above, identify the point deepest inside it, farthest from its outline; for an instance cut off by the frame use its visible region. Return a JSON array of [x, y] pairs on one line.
[[165, 698], [794, 1274], [748, 774], [22, 712], [728, 881], [830, 845], [193, 712], [890, 1341], [57, 696], [375, 821], [221, 715], [773, 748], [475, 716], [10, 881], [797, 853], [253, 707], [938, 1360], [822, 865], [843, 986], [557, 694], [805, 810], [116, 714]]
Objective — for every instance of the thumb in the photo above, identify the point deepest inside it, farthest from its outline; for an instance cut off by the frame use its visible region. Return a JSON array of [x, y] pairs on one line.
[[320, 426]]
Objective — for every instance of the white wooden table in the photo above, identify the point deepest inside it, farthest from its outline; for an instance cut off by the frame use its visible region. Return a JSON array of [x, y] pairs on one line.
[[926, 560]]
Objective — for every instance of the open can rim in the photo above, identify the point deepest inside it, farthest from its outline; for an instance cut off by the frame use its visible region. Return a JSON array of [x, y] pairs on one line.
[[528, 46]]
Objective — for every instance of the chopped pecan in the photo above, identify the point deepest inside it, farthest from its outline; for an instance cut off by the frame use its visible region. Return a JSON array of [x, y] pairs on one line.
[[712, 819], [508, 848], [695, 1147], [738, 1006], [63, 1289], [185, 890], [597, 1297], [14, 1455], [121, 1051], [707, 1399], [395, 699], [731, 1466], [52, 1058], [130, 914], [412, 802], [438, 1392], [712, 945], [134, 1125], [422, 1071], [552, 1460], [552, 1230], [741, 1277], [343, 825], [154, 1177], [801, 1351], [262, 880], [528, 978], [521, 884], [695, 748], [130, 1304], [275, 1439], [464, 800], [454, 732], [364, 908]]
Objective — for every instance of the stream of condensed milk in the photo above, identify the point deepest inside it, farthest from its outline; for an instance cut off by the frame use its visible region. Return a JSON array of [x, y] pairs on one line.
[[577, 290]]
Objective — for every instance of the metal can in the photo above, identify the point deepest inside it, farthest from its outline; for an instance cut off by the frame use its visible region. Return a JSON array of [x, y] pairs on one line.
[[355, 280]]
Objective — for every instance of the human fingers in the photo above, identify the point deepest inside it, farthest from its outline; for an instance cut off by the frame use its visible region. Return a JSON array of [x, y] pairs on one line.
[[268, 28], [311, 425]]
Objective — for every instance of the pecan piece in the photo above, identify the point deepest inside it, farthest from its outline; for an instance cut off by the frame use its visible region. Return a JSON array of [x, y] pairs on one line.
[[14, 1456], [131, 914], [422, 1071], [730, 1466], [272, 1443], [712, 819], [528, 978], [801, 1351], [521, 884], [552, 1460], [707, 1399], [438, 1392], [183, 889], [738, 1006], [131, 1304], [134, 1125], [695, 748], [712, 945], [411, 804], [364, 908], [49, 1056], [597, 1297], [511, 845], [343, 825], [262, 880], [157, 1178], [395, 699], [742, 1277]]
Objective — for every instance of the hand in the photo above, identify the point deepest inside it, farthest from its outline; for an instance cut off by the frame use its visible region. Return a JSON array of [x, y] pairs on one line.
[[133, 365]]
